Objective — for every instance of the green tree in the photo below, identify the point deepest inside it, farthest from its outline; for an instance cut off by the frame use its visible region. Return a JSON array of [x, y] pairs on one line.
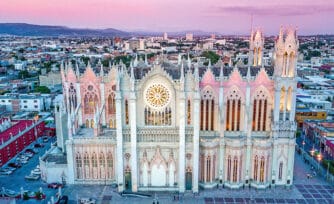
[[24, 74], [212, 56], [42, 89]]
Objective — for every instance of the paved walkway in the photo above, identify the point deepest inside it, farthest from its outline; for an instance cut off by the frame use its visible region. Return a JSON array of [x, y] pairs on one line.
[[304, 190]]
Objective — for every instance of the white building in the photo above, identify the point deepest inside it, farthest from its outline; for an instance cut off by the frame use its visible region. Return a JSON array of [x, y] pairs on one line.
[[176, 127]]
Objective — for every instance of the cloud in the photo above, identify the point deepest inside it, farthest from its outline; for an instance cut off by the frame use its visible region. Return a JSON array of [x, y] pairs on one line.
[[273, 10]]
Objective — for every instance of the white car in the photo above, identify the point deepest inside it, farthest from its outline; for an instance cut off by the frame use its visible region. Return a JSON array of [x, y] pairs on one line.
[[87, 201], [4, 172]]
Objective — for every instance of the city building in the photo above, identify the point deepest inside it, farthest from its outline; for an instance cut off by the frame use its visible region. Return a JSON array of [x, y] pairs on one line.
[[303, 114], [26, 102], [189, 37], [174, 127], [15, 135]]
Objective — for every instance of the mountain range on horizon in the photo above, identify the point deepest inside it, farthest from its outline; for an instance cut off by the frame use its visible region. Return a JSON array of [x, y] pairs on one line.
[[25, 29]]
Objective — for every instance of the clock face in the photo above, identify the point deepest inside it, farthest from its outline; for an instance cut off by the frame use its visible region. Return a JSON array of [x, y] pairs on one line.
[[157, 96]]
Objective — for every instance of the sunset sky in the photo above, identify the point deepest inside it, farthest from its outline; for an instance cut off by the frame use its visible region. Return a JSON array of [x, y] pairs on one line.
[[223, 16]]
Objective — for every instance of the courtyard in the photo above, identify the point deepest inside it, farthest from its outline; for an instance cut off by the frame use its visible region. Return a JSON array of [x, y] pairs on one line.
[[306, 189]]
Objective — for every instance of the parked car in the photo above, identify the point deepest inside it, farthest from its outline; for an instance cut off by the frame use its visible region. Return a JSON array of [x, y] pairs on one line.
[[28, 154], [63, 200], [32, 177], [55, 185], [15, 165], [30, 151], [5, 172], [87, 201], [45, 139], [9, 168], [38, 145]]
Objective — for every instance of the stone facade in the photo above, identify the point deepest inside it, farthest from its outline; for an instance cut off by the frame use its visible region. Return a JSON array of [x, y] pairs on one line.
[[165, 126]]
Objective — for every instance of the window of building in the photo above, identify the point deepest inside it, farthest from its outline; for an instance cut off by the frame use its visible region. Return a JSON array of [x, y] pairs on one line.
[[235, 169], [229, 162], [189, 113], [126, 112], [260, 111], [255, 168], [262, 170], [280, 171], [233, 111], [207, 110]]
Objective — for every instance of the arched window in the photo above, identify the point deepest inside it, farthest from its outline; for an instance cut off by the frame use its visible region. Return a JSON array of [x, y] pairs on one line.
[[202, 167], [207, 110], [280, 171], [260, 110], [110, 165], [256, 166], [208, 169], [188, 113], [94, 165], [111, 104], [90, 100], [126, 112], [87, 123], [102, 166], [262, 170], [229, 166], [86, 165], [282, 99], [161, 117], [235, 169], [94, 160], [72, 94], [78, 162], [233, 111]]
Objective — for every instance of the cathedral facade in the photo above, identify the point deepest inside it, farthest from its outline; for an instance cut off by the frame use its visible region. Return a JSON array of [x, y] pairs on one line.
[[176, 127]]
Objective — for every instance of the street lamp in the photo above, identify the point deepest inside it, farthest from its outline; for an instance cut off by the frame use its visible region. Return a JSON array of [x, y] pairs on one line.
[[303, 143], [312, 151], [319, 157]]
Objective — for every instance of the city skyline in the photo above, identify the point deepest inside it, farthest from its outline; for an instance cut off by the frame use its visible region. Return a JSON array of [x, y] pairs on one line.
[[225, 17]]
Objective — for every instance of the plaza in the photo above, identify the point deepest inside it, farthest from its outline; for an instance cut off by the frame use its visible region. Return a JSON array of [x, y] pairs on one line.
[[304, 190]]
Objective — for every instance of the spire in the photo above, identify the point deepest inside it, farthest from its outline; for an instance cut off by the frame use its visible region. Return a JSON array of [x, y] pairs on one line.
[[88, 64], [248, 76], [182, 78], [196, 77], [118, 80], [182, 73], [146, 59], [189, 61], [101, 71], [209, 65], [135, 63], [221, 74], [179, 59], [77, 69], [69, 125], [109, 63], [132, 79]]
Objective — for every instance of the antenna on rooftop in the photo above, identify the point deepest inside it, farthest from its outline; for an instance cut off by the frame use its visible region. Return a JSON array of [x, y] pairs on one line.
[[251, 23]]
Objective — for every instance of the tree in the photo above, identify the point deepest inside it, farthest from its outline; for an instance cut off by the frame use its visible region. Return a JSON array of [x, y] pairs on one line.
[[24, 74], [42, 89], [210, 55]]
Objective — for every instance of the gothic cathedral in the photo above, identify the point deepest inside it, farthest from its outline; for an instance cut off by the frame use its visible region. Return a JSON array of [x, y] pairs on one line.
[[179, 126]]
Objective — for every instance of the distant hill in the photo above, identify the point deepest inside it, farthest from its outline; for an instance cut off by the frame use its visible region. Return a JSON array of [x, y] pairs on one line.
[[23, 29]]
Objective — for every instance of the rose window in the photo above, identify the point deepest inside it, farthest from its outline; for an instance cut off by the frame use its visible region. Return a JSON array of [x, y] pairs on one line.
[[157, 96]]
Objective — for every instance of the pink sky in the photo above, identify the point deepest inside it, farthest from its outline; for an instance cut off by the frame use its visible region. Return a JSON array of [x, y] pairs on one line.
[[223, 16]]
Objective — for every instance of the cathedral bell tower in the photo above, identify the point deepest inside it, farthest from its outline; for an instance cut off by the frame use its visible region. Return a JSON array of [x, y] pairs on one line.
[[283, 124], [256, 44]]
